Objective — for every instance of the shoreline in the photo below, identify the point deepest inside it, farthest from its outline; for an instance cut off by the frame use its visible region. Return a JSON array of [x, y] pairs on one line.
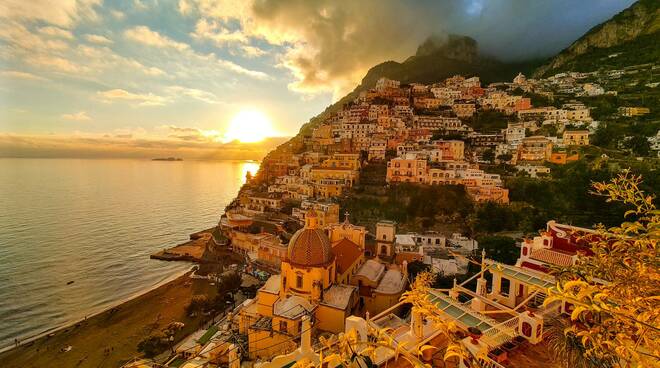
[[60, 328], [110, 338]]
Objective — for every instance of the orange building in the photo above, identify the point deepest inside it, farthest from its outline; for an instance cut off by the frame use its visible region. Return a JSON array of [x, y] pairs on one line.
[[562, 158]]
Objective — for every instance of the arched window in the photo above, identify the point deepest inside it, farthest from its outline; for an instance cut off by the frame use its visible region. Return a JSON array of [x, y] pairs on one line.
[[299, 281]]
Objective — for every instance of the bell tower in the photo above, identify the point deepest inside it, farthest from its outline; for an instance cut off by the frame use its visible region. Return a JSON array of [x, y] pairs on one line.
[[311, 219]]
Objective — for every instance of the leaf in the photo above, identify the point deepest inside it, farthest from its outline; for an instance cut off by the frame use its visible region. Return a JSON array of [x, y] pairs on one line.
[[577, 311]]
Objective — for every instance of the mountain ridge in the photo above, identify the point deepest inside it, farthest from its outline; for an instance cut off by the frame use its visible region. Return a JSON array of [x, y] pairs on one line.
[[634, 30]]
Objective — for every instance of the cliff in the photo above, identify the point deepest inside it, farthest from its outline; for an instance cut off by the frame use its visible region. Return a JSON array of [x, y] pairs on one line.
[[627, 38]]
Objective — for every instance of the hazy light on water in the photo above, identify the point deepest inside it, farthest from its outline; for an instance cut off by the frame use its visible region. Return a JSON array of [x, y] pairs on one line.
[[95, 222]]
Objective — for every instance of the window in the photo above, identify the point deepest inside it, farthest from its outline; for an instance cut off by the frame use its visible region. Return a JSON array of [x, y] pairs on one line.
[[505, 286], [299, 281], [283, 326]]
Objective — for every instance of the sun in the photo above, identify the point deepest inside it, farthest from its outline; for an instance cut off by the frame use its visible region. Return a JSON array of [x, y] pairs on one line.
[[249, 126]]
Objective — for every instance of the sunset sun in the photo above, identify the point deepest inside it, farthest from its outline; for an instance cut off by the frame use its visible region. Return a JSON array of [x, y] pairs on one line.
[[249, 126]]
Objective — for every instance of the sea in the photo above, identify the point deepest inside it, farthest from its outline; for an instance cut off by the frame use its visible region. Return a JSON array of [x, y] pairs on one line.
[[76, 234]]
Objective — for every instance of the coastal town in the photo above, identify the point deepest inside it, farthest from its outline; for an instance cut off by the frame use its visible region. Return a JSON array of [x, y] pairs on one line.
[[321, 275], [323, 184]]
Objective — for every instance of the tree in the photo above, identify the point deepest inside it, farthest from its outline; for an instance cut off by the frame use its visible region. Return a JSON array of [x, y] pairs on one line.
[[152, 345], [500, 248], [415, 268], [615, 291], [505, 157], [639, 145], [198, 303], [229, 283], [489, 155]]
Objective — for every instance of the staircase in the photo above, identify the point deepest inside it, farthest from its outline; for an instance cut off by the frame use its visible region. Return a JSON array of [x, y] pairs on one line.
[[537, 300]]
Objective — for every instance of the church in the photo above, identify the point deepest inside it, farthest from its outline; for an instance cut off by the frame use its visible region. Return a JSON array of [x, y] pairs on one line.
[[322, 277]]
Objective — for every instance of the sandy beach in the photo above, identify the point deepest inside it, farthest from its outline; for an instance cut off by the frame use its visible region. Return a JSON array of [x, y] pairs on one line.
[[110, 338]]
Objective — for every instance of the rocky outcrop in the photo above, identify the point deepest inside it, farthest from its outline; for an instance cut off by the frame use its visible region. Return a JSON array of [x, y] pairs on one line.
[[640, 19]]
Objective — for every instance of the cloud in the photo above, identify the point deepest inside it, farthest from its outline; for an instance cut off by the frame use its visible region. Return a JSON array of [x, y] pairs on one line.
[[54, 63], [216, 32], [197, 94], [241, 70], [140, 99], [146, 36], [21, 75], [98, 39], [117, 14], [189, 134], [78, 116], [251, 51], [138, 4], [64, 14], [56, 32], [102, 59], [329, 45], [129, 145]]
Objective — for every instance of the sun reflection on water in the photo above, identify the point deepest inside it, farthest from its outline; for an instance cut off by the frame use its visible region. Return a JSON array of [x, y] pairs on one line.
[[249, 166]]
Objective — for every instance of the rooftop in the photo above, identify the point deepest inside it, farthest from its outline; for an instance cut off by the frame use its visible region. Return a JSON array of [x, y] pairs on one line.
[[372, 270], [392, 283], [346, 253], [292, 307], [338, 296], [272, 285]]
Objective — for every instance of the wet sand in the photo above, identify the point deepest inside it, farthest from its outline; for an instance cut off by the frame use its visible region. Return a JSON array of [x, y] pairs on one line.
[[110, 338]]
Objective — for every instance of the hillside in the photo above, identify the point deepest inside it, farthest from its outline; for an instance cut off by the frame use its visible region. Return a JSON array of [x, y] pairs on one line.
[[436, 58], [630, 37]]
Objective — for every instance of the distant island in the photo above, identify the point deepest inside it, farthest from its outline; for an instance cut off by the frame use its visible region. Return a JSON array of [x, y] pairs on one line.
[[167, 159]]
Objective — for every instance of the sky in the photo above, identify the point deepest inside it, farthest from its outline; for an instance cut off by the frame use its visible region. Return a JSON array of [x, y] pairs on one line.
[[136, 78]]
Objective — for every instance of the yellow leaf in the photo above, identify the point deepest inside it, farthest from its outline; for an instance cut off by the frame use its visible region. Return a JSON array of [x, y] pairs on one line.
[[427, 347], [577, 311]]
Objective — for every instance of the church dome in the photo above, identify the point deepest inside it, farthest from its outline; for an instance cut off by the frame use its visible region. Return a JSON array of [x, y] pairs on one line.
[[310, 246]]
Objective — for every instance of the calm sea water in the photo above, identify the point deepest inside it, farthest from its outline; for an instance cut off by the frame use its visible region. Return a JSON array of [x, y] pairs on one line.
[[95, 222]]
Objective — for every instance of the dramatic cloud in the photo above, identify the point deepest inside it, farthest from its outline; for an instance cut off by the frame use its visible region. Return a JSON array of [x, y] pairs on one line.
[[331, 44], [148, 37], [79, 116]]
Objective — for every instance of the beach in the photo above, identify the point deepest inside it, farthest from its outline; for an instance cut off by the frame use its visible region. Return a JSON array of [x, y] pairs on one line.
[[110, 338]]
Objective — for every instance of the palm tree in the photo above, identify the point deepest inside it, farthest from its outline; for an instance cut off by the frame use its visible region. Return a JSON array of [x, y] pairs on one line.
[[567, 348]]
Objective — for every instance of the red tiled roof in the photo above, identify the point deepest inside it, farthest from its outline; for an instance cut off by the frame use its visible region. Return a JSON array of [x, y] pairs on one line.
[[346, 254]]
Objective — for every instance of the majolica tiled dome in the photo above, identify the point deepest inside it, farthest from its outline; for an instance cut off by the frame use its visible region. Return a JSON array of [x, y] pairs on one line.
[[310, 246]]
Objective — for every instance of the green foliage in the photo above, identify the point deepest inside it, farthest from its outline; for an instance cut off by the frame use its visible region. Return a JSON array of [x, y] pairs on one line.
[[489, 121], [198, 303], [639, 145], [229, 282], [489, 155], [439, 134], [566, 196], [416, 267], [499, 248], [407, 202], [152, 345], [602, 106]]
